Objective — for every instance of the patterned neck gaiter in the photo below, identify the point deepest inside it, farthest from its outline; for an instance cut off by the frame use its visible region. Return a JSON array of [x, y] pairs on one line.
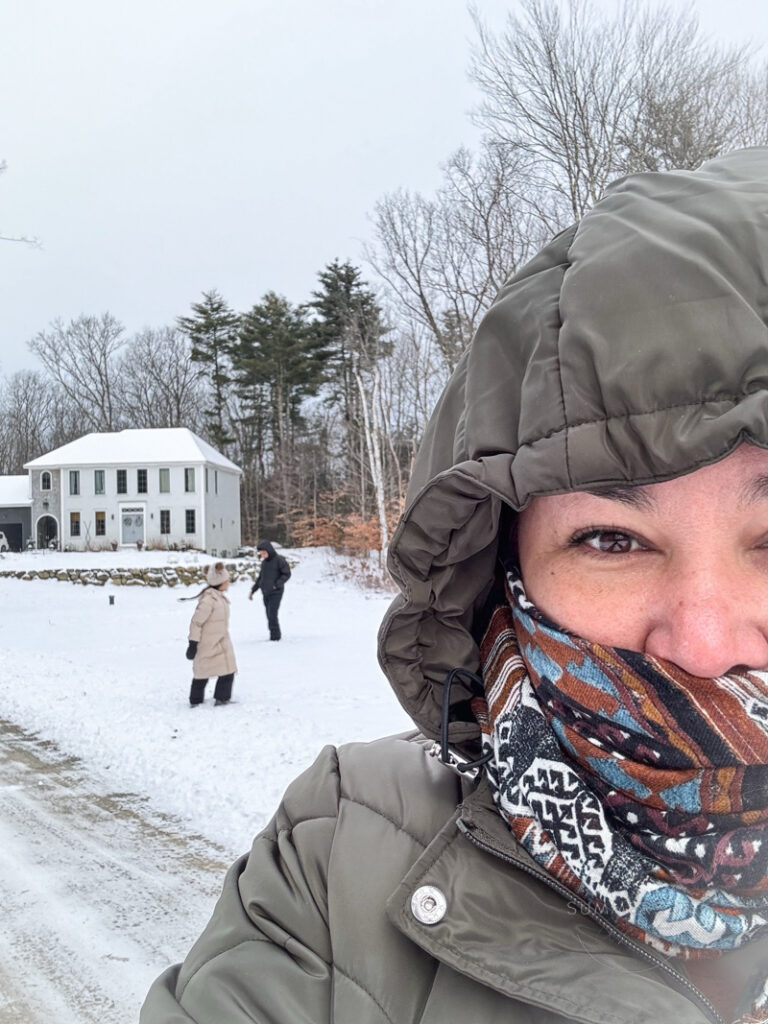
[[641, 788]]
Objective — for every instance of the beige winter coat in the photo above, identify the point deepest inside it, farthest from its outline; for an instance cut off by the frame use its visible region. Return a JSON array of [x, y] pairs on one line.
[[210, 627]]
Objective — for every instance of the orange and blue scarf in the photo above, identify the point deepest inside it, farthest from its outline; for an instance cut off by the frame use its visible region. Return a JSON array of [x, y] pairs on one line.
[[641, 788]]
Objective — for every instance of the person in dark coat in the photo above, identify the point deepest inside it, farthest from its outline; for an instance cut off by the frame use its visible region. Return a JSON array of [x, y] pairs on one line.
[[275, 572]]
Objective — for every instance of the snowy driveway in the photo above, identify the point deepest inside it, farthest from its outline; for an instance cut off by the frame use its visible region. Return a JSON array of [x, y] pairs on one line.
[[122, 807], [98, 892]]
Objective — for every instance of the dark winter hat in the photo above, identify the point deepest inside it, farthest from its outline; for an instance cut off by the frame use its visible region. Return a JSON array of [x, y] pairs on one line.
[[216, 574]]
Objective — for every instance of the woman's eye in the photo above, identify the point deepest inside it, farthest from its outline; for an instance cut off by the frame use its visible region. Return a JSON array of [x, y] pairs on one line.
[[609, 542]]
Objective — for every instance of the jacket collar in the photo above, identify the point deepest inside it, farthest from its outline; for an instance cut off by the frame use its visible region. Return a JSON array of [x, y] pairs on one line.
[[507, 928]]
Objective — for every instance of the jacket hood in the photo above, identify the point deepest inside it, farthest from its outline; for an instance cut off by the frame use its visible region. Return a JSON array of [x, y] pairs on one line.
[[632, 349], [265, 545]]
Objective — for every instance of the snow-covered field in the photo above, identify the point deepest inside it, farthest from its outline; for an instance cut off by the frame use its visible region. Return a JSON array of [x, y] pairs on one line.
[[109, 684], [122, 806]]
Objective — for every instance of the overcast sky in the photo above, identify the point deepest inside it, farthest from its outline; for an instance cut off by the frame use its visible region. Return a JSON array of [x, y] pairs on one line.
[[165, 147]]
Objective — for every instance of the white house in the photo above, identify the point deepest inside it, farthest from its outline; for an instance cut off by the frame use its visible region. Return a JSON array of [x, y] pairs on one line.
[[150, 487]]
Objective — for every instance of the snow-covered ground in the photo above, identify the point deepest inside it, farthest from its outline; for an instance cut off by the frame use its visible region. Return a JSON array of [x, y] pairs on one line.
[[109, 684], [122, 806]]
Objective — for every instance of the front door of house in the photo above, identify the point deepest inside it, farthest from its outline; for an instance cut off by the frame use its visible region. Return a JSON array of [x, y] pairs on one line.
[[46, 532], [131, 525]]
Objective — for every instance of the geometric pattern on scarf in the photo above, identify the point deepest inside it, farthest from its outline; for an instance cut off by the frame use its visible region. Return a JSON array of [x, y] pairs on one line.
[[639, 787]]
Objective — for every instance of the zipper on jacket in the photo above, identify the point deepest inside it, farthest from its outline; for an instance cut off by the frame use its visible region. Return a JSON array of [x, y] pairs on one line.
[[589, 911]]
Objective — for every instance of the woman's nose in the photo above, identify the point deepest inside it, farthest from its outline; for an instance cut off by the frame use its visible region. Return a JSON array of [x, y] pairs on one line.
[[709, 624]]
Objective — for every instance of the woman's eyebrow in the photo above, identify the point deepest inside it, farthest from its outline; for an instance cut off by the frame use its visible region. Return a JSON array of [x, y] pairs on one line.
[[636, 497], [755, 490]]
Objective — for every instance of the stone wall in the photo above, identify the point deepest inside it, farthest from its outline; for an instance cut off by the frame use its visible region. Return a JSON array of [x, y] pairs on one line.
[[159, 576]]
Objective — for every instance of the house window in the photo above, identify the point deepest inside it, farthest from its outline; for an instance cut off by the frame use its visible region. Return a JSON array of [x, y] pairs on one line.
[[98, 481], [74, 524], [206, 479], [122, 481], [216, 481], [141, 481], [189, 480], [165, 481], [45, 481], [74, 481], [165, 520], [189, 520], [101, 524]]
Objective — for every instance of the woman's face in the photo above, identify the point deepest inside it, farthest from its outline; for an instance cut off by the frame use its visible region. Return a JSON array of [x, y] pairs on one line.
[[677, 570]]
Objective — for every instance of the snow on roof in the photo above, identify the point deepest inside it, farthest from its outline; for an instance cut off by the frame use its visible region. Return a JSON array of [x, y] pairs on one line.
[[14, 490], [159, 445]]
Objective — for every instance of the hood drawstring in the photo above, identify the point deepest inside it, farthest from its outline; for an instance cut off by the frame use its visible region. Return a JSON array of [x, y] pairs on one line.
[[450, 757]]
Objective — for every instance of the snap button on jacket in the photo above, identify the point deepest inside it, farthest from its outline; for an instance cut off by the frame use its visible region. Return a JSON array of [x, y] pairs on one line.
[[428, 904]]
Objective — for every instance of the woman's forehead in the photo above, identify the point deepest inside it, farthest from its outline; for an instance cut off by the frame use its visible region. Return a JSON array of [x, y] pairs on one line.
[[738, 479]]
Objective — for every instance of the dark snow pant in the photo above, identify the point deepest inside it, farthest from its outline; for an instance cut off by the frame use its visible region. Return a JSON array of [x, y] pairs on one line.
[[223, 689], [272, 603]]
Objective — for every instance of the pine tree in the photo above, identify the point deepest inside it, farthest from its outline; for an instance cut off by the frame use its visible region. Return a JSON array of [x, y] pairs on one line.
[[349, 321], [212, 329], [279, 361]]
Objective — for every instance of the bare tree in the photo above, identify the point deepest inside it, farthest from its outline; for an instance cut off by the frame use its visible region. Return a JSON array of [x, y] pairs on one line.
[[412, 377], [81, 357], [159, 384], [67, 422], [445, 259], [588, 96], [693, 100], [35, 417], [752, 129], [572, 98], [26, 401]]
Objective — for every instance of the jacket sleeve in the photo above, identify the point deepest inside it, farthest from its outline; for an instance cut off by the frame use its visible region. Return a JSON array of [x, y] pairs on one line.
[[284, 574], [265, 956], [201, 615], [256, 584]]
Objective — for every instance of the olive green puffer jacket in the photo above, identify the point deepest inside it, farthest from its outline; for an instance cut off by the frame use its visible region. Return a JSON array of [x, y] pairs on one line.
[[632, 349], [372, 898]]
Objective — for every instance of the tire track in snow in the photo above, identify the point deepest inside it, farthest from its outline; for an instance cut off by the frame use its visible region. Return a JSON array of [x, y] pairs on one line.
[[99, 893]]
